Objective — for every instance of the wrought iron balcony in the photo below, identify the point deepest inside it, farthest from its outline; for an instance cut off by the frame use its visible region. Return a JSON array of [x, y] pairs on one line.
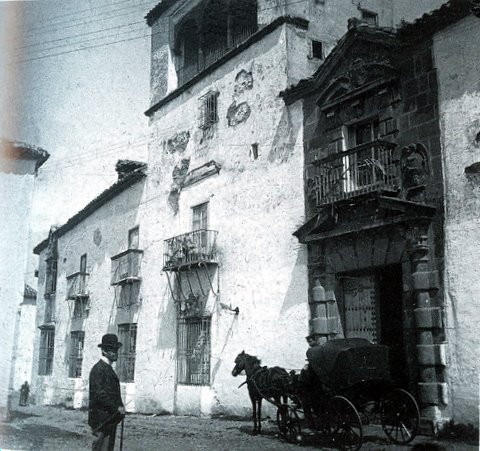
[[198, 246], [370, 167], [126, 267], [77, 285]]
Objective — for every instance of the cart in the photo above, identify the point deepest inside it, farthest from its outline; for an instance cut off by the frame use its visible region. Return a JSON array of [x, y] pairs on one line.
[[346, 385]]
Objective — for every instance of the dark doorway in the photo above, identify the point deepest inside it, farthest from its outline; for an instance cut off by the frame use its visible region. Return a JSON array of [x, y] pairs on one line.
[[371, 307], [390, 291]]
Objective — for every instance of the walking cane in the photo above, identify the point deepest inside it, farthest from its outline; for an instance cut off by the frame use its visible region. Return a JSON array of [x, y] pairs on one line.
[[121, 435]]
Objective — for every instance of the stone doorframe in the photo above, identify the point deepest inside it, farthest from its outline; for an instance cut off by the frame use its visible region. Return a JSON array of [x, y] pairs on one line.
[[409, 243]]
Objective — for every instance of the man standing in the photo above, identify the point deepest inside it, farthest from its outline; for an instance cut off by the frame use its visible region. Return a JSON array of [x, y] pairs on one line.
[[105, 402]]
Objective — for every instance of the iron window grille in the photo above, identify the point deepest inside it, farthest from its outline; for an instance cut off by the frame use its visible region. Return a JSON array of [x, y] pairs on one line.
[[76, 354], [193, 350], [208, 111], [127, 334], [47, 345]]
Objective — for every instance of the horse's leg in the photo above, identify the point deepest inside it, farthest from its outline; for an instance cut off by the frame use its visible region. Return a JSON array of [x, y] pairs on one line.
[[254, 413], [259, 414]]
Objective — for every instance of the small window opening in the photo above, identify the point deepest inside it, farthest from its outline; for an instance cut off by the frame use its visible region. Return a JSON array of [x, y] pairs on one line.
[[208, 113], [133, 235], [254, 151], [317, 49], [369, 17]]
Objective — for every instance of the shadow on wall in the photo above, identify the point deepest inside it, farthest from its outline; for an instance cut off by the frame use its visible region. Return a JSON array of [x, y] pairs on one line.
[[166, 320], [283, 144], [231, 331], [296, 292]]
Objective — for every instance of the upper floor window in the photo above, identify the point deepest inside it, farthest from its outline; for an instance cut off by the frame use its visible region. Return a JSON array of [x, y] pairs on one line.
[[369, 17], [51, 275], [133, 236], [317, 49], [362, 133], [200, 216]]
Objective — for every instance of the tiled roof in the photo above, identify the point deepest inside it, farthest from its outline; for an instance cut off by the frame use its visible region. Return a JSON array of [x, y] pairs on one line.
[[120, 185], [158, 10], [23, 151], [440, 18]]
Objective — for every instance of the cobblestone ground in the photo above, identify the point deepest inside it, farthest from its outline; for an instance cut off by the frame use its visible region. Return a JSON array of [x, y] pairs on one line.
[[53, 428]]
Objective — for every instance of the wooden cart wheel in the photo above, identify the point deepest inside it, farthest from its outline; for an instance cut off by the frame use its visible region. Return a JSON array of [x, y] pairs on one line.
[[345, 424], [288, 423], [400, 416]]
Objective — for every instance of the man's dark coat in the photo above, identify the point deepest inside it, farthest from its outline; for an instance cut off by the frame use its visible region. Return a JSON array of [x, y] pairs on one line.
[[105, 397]]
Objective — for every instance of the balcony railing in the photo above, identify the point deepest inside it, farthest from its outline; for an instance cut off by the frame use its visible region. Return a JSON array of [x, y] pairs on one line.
[[126, 266], [366, 168], [189, 248], [77, 285], [214, 52]]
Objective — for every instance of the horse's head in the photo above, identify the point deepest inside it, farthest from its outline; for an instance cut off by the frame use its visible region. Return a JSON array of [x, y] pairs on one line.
[[239, 364], [244, 362]]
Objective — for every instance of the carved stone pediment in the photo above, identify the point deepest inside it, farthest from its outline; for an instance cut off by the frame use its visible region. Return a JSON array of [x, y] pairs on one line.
[[362, 72]]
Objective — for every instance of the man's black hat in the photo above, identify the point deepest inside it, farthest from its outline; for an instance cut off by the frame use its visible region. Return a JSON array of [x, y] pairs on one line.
[[110, 341]]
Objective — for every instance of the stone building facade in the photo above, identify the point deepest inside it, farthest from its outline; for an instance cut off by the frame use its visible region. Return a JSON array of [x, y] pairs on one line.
[[377, 157], [19, 164], [220, 269]]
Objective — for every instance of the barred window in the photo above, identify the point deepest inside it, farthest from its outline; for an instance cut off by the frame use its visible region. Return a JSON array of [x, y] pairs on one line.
[[47, 344], [193, 349], [76, 354], [127, 334], [208, 114]]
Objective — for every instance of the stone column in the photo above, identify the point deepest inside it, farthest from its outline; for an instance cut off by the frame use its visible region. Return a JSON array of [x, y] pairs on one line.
[[429, 329]]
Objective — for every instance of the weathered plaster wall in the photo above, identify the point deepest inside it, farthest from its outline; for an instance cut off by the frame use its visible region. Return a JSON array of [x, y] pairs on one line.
[[109, 225], [254, 204], [15, 202], [457, 59], [24, 343]]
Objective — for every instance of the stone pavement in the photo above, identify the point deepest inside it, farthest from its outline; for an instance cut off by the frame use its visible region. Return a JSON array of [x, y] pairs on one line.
[[54, 428]]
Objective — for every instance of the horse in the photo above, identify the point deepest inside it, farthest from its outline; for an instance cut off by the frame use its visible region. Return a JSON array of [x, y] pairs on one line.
[[262, 382]]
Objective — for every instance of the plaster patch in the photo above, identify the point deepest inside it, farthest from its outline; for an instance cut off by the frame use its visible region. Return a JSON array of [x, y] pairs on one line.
[[237, 114]]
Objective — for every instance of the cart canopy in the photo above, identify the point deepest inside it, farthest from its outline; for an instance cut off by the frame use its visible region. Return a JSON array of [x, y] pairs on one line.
[[346, 362]]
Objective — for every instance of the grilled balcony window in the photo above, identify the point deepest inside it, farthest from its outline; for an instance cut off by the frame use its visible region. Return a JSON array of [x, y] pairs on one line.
[[193, 346], [127, 334], [193, 247], [77, 285], [366, 168], [76, 354], [126, 266], [46, 350]]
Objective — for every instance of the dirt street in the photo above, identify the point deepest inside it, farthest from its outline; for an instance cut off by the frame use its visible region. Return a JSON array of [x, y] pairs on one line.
[[54, 428]]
